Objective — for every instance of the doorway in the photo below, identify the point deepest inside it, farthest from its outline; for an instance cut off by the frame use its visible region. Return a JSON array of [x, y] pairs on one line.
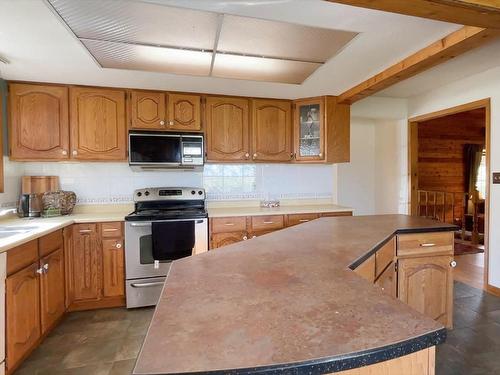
[[449, 158]]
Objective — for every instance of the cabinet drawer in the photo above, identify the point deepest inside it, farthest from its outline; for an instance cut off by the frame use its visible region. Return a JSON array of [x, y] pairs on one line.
[[333, 214], [111, 230], [82, 229], [22, 256], [384, 256], [425, 243], [229, 224], [268, 222], [51, 242], [367, 269], [295, 219]]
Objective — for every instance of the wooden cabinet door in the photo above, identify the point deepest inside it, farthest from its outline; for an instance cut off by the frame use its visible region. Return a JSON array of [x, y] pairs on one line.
[[148, 110], [387, 280], [224, 239], [271, 130], [23, 313], [39, 127], [113, 268], [87, 263], [97, 123], [309, 130], [52, 294], [227, 130], [426, 284], [184, 112]]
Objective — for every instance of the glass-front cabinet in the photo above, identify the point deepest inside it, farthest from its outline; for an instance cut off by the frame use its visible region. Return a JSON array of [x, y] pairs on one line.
[[309, 131]]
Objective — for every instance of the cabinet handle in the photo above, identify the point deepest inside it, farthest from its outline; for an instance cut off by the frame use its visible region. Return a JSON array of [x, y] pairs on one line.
[[146, 285], [245, 238], [268, 222], [171, 123], [453, 264], [303, 220], [229, 224], [320, 154], [85, 230], [75, 152], [247, 155], [110, 230], [39, 270], [45, 268], [162, 122], [254, 155], [118, 245], [427, 244], [254, 236], [64, 152]]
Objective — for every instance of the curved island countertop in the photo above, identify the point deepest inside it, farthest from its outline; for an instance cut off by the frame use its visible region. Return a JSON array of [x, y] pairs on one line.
[[286, 301]]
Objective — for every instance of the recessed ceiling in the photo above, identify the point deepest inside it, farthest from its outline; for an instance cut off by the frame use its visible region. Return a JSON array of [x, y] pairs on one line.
[[152, 37]]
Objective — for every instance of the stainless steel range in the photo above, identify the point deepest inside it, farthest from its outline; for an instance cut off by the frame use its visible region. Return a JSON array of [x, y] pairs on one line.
[[167, 224]]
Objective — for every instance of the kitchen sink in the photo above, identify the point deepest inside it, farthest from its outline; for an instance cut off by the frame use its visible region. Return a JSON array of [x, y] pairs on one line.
[[7, 231]]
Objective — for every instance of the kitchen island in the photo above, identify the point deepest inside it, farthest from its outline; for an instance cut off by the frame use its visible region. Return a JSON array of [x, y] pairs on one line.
[[290, 301]]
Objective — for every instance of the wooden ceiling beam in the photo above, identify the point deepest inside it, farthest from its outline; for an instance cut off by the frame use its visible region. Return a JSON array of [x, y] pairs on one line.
[[481, 13], [454, 44]]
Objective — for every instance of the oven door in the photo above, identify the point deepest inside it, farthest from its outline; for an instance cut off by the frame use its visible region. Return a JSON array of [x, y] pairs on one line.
[[139, 259]]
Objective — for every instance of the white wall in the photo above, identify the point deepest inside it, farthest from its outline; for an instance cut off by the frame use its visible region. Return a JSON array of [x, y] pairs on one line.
[[476, 87]]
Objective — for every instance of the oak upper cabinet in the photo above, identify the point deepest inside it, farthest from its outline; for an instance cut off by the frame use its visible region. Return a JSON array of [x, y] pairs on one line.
[[227, 129], [184, 112], [38, 122], [52, 293], [426, 284], [148, 110], [321, 130], [309, 129], [22, 313], [271, 130], [86, 265], [97, 123]]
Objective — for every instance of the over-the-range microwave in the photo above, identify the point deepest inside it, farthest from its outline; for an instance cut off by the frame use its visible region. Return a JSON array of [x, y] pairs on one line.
[[159, 150]]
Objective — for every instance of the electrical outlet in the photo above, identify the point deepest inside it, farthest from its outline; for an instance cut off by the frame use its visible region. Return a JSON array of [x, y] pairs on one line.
[[496, 177]]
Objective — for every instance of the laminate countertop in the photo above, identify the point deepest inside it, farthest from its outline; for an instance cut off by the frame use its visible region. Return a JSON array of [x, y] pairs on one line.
[[286, 301], [281, 210]]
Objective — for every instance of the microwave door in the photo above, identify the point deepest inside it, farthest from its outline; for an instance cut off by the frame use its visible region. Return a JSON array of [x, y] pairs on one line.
[[154, 149]]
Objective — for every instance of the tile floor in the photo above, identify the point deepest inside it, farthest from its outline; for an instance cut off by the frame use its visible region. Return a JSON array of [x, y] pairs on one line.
[[106, 342]]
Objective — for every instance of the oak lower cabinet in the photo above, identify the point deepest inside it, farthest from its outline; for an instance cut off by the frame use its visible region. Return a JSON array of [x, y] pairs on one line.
[[388, 280], [34, 294], [23, 327], [271, 130], [38, 122], [97, 124], [227, 129], [96, 269], [223, 239], [426, 284]]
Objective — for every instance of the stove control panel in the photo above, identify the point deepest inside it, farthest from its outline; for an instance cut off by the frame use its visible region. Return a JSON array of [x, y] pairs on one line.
[[169, 193]]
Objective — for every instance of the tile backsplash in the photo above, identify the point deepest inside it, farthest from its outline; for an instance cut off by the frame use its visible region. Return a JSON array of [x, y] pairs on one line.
[[104, 183]]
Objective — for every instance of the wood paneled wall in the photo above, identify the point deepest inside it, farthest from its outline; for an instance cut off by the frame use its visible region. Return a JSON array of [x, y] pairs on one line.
[[440, 149]]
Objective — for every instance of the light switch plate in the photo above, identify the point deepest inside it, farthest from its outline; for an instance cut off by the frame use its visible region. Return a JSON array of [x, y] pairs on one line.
[[496, 177]]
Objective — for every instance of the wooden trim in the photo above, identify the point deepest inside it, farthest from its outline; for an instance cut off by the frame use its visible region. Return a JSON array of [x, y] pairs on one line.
[[452, 45], [103, 303], [483, 13], [493, 290], [413, 173]]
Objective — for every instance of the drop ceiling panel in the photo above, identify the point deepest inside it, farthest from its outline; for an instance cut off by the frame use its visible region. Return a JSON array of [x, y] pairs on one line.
[[262, 69], [138, 22], [244, 35], [155, 59]]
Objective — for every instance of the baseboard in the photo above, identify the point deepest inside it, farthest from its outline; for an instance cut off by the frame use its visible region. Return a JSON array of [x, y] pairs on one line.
[[493, 290], [104, 303]]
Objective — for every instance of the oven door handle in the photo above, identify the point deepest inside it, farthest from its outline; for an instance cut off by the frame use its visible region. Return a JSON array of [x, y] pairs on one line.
[[146, 285], [148, 224]]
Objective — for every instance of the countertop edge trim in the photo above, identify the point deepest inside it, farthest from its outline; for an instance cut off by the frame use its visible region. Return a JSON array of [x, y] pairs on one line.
[[337, 363]]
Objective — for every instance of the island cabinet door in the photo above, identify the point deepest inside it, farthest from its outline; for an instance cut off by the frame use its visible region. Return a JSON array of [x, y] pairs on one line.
[[271, 130], [148, 110], [387, 280], [426, 284], [227, 129], [52, 289], [38, 122], [23, 314], [87, 263], [97, 123]]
